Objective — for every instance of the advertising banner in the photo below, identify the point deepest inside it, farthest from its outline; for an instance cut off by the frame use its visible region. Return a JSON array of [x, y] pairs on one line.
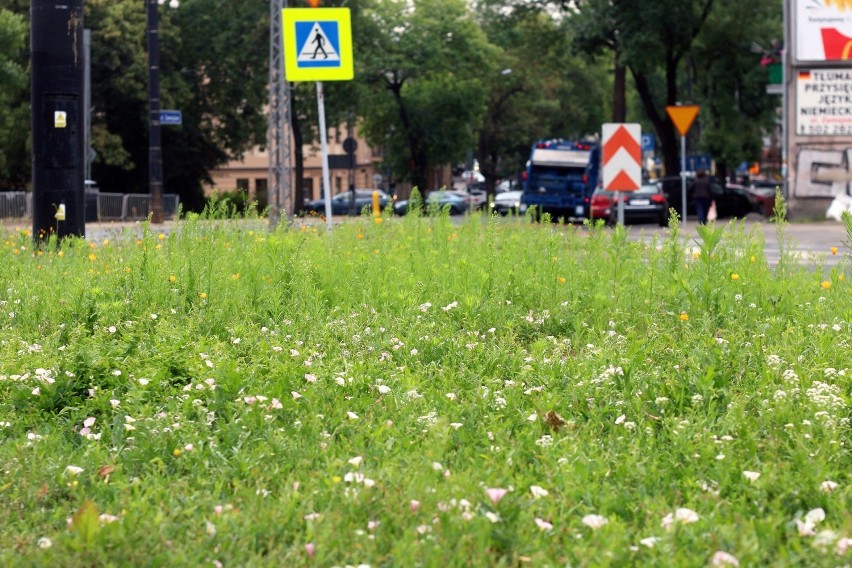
[[823, 30], [824, 102]]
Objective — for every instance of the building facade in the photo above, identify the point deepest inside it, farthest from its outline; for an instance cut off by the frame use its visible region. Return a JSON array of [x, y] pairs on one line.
[[251, 174]]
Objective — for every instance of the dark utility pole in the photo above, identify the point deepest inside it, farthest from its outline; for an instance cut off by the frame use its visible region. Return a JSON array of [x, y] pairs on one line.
[[56, 51], [155, 150]]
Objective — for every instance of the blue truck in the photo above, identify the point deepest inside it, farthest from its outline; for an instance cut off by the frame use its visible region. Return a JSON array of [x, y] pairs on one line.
[[560, 178]]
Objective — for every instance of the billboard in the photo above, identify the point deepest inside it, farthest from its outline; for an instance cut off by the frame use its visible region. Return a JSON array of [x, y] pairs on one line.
[[824, 102], [823, 30]]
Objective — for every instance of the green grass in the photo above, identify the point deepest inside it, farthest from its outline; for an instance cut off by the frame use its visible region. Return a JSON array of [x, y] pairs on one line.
[[243, 396]]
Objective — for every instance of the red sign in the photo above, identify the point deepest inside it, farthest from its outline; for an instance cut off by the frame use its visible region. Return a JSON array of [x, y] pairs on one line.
[[622, 157]]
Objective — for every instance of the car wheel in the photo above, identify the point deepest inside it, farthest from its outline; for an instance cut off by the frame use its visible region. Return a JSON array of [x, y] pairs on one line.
[[664, 221]]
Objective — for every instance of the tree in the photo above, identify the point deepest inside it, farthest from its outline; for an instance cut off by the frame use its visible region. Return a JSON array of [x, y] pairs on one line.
[[213, 68], [420, 68], [545, 89], [654, 39], [730, 83], [15, 169]]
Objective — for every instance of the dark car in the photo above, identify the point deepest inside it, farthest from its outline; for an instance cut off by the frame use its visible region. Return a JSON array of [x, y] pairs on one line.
[[646, 205], [341, 203], [731, 200], [436, 201], [507, 202]]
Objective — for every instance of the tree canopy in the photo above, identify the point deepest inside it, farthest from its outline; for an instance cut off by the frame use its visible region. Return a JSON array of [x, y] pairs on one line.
[[436, 81], [14, 102]]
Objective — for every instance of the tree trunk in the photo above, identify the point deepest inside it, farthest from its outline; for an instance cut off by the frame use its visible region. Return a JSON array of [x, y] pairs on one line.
[[417, 160], [619, 104], [662, 124], [298, 164]]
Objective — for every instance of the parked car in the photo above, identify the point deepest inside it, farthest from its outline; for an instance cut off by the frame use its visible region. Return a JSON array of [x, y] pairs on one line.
[[731, 200], [341, 203], [507, 202], [765, 198], [647, 204], [436, 201], [506, 185], [476, 198]]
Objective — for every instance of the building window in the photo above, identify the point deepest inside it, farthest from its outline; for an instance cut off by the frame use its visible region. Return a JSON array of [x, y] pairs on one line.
[[242, 184], [308, 188]]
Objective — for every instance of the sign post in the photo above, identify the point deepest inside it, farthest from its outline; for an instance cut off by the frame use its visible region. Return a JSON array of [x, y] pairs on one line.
[[682, 117], [622, 160], [318, 47]]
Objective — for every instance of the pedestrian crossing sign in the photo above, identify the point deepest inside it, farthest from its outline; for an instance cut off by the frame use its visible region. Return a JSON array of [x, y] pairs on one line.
[[317, 44]]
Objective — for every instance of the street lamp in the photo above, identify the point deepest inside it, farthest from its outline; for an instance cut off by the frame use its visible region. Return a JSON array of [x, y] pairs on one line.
[[155, 150]]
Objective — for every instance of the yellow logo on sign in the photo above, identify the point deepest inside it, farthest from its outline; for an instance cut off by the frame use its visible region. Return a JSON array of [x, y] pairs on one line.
[[317, 44]]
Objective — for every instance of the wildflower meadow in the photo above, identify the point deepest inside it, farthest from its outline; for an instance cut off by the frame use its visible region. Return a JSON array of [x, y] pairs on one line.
[[423, 392]]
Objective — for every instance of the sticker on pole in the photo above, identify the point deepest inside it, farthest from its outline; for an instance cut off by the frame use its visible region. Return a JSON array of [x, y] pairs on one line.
[[622, 156], [317, 44]]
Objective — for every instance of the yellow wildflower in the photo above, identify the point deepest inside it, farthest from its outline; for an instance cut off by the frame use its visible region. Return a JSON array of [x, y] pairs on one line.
[[826, 284], [684, 316], [735, 276]]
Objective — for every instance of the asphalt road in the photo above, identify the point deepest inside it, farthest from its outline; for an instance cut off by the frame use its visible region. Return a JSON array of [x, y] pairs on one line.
[[810, 242]]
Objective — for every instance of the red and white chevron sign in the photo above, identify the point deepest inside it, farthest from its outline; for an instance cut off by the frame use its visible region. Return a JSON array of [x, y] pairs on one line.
[[622, 156]]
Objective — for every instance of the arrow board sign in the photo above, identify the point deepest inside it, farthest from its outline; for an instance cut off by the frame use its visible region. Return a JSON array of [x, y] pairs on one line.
[[317, 44], [622, 156]]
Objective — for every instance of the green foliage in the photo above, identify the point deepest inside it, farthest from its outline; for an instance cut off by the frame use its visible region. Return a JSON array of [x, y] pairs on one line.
[[233, 394], [213, 68], [14, 106], [690, 51], [421, 71], [729, 82]]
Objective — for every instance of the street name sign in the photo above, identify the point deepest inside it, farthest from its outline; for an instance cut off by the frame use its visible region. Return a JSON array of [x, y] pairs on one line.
[[317, 44], [171, 117]]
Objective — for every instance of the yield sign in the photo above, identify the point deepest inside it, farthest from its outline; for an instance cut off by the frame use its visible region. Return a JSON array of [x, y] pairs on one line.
[[682, 116], [622, 156]]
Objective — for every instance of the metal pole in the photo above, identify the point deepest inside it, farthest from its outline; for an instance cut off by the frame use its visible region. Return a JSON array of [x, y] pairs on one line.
[[87, 103], [683, 176], [56, 103], [620, 196], [324, 146], [155, 151]]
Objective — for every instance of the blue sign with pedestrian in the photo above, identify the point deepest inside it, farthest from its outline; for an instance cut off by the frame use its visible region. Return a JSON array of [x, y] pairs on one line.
[[319, 44], [171, 117], [647, 142]]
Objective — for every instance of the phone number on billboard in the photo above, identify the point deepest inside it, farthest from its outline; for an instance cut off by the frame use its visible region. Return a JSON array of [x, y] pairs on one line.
[[824, 129]]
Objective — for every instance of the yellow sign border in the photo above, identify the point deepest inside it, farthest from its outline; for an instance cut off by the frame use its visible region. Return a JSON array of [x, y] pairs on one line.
[[292, 72]]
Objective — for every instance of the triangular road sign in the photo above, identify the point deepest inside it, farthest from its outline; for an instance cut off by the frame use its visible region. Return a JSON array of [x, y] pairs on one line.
[[317, 46], [682, 116]]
